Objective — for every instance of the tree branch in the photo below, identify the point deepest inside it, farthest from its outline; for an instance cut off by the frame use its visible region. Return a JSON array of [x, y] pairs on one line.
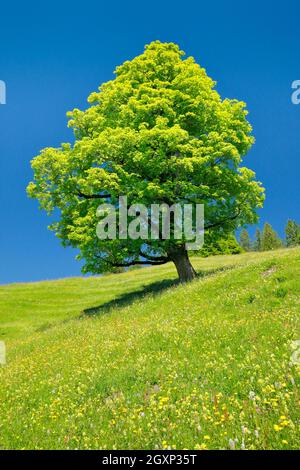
[[93, 196], [222, 221], [153, 258], [134, 263]]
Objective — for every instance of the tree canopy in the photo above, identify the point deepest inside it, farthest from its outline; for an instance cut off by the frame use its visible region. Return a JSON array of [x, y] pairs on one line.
[[158, 132]]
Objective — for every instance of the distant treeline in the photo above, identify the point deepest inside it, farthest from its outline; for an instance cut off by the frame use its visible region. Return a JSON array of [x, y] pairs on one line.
[[268, 239], [264, 240]]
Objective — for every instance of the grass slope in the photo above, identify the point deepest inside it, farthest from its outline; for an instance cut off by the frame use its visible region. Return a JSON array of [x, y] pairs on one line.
[[155, 365]]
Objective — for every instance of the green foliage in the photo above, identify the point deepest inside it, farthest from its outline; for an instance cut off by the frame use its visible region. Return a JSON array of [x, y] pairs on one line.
[[292, 233], [245, 241], [191, 366], [226, 245], [158, 133], [270, 239]]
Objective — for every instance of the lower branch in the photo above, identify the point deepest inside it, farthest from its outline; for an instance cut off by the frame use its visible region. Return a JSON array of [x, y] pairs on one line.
[[134, 263], [93, 196], [153, 258]]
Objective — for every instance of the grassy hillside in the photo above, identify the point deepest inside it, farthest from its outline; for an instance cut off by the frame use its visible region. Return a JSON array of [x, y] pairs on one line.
[[135, 361]]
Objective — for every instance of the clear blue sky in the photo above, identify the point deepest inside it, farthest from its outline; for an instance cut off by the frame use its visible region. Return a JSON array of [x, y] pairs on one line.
[[54, 54]]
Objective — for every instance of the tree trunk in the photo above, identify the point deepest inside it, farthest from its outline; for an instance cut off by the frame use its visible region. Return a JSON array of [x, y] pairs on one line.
[[183, 265]]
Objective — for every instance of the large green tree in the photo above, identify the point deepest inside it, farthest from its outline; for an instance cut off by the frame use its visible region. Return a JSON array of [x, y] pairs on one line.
[[158, 132]]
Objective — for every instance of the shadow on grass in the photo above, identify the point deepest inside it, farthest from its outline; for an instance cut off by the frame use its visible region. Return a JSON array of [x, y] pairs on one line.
[[129, 298], [153, 289]]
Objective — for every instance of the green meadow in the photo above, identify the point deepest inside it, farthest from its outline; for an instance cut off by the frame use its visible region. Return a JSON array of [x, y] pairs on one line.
[[137, 361]]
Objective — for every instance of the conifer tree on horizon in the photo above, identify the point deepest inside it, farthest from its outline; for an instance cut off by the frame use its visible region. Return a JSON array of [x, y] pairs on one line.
[[257, 240], [270, 239], [292, 233], [245, 241]]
